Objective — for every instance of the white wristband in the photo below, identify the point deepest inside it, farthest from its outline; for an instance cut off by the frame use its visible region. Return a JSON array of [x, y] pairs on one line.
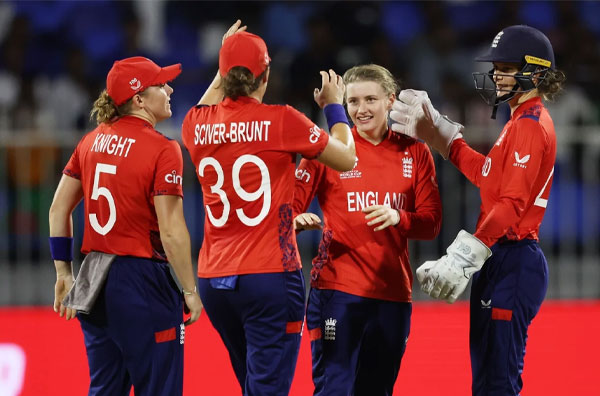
[[188, 293]]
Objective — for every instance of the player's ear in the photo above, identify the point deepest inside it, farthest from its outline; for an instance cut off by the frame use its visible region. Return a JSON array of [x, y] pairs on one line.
[[391, 99], [137, 100]]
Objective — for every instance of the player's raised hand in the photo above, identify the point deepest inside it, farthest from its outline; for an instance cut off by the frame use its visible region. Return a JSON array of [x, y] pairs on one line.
[[193, 306], [63, 284], [235, 28], [381, 214], [332, 89], [307, 221], [414, 115]]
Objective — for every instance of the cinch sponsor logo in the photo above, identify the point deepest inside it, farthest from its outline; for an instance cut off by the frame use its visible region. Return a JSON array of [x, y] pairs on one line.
[[358, 200], [173, 178], [314, 134], [302, 174]]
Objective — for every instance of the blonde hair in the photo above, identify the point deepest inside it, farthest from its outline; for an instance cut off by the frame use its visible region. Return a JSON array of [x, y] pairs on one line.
[[105, 110], [375, 73]]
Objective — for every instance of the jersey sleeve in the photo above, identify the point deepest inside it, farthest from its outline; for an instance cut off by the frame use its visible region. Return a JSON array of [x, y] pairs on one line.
[[467, 160], [309, 175], [187, 129], [523, 158], [426, 220], [168, 175], [302, 135], [73, 167]]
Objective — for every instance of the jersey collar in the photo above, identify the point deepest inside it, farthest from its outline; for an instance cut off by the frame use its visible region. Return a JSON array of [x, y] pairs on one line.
[[528, 104], [135, 121], [241, 100]]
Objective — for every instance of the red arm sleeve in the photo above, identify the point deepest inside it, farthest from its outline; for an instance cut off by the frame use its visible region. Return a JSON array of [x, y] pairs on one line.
[[169, 171], [308, 177], [522, 160], [467, 160], [426, 220], [73, 168]]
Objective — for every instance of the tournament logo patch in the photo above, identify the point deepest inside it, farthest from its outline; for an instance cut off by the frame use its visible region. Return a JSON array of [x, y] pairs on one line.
[[352, 174]]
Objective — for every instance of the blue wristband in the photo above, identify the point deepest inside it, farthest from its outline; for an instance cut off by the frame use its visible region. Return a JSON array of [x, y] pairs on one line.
[[334, 113], [61, 248]]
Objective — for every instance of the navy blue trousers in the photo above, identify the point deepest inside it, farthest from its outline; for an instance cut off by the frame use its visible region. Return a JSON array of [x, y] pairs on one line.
[[505, 297], [260, 322], [357, 343], [134, 333]]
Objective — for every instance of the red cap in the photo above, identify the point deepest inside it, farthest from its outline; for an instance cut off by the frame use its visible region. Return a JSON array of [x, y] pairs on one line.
[[130, 76], [244, 49]]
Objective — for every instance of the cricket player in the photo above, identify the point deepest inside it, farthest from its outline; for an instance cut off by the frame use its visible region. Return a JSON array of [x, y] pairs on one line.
[[509, 270], [130, 178], [359, 309], [244, 152]]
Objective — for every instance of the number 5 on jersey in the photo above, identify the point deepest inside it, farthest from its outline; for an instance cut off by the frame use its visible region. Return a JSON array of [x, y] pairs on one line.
[[105, 192], [263, 190]]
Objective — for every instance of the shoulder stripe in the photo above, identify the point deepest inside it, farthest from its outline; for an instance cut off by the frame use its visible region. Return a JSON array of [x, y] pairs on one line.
[[530, 116]]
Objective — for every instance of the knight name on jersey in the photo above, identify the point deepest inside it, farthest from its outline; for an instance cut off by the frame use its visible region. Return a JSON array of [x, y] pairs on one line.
[[358, 200], [112, 144], [235, 132]]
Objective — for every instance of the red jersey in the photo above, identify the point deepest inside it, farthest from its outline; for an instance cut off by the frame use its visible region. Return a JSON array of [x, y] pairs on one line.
[[398, 172], [515, 177], [122, 166], [244, 152]]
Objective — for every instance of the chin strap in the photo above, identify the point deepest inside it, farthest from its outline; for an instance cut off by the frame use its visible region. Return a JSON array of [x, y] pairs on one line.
[[495, 110], [503, 99]]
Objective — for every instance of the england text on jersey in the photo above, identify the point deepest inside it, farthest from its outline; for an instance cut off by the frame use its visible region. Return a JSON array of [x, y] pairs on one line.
[[358, 200], [237, 132], [112, 144]]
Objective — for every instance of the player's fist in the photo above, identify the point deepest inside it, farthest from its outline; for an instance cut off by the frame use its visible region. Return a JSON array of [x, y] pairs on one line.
[[307, 221], [332, 89], [193, 305], [382, 215]]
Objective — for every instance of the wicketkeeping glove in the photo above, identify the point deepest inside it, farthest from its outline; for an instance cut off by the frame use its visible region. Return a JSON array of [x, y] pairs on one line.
[[447, 278], [414, 115]]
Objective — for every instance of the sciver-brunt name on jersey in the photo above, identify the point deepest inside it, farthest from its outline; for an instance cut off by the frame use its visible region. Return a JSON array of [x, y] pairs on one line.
[[234, 132]]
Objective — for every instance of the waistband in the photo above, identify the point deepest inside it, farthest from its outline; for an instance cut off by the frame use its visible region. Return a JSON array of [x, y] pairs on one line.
[[504, 241]]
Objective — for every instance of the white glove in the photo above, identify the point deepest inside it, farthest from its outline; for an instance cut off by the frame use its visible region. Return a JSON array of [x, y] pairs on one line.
[[414, 115], [448, 277]]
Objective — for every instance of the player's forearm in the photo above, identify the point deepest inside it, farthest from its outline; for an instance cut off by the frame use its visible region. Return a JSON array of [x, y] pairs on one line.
[[340, 153], [178, 249], [467, 160], [497, 223], [424, 226], [214, 92]]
